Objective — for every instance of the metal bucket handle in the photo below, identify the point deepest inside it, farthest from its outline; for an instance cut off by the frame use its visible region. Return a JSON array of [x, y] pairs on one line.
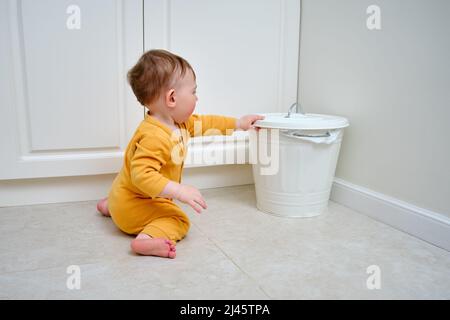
[[328, 137]]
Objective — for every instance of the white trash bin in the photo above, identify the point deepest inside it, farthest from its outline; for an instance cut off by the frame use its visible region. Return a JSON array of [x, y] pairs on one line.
[[308, 150]]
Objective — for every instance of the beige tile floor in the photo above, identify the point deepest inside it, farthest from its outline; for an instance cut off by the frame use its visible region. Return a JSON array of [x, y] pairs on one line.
[[233, 251]]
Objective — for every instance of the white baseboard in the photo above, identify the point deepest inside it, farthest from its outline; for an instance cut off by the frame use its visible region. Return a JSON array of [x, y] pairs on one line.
[[83, 188], [218, 176], [422, 223]]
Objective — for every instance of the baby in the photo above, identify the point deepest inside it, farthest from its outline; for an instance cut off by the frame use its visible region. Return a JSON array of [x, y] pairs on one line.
[[140, 201]]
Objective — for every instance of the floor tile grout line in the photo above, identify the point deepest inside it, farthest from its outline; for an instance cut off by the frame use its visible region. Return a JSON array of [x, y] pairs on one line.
[[234, 262]]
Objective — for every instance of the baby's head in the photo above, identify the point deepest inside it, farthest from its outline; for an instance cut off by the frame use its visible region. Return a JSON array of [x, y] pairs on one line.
[[164, 83]]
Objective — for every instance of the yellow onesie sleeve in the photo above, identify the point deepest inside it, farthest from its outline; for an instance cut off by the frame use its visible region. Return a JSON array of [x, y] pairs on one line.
[[197, 125], [150, 155]]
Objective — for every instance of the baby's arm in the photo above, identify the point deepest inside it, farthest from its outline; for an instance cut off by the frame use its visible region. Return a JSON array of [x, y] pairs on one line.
[[145, 165], [200, 124]]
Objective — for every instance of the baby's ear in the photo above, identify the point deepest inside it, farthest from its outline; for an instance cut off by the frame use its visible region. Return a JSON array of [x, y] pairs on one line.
[[170, 98]]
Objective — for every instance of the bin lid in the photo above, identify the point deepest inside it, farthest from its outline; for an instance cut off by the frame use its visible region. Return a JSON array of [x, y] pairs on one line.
[[309, 121]]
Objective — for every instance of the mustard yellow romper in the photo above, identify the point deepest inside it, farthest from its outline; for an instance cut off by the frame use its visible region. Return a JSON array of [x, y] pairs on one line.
[[154, 156]]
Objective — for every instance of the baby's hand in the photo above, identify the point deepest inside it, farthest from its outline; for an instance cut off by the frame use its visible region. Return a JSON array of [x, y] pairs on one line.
[[191, 196], [246, 122]]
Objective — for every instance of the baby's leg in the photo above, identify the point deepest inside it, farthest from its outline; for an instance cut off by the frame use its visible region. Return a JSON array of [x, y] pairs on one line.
[[170, 224], [102, 206], [145, 245]]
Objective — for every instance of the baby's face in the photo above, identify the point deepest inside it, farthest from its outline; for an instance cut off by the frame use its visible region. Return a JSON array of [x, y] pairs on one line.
[[186, 97]]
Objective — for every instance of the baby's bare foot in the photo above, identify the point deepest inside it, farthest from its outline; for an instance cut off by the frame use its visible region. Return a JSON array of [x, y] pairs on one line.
[[102, 206], [154, 247]]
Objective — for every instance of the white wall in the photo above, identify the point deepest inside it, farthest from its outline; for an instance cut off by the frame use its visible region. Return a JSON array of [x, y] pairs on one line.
[[394, 86]]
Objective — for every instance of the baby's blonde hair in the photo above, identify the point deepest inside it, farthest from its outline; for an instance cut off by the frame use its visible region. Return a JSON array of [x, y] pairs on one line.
[[155, 71]]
